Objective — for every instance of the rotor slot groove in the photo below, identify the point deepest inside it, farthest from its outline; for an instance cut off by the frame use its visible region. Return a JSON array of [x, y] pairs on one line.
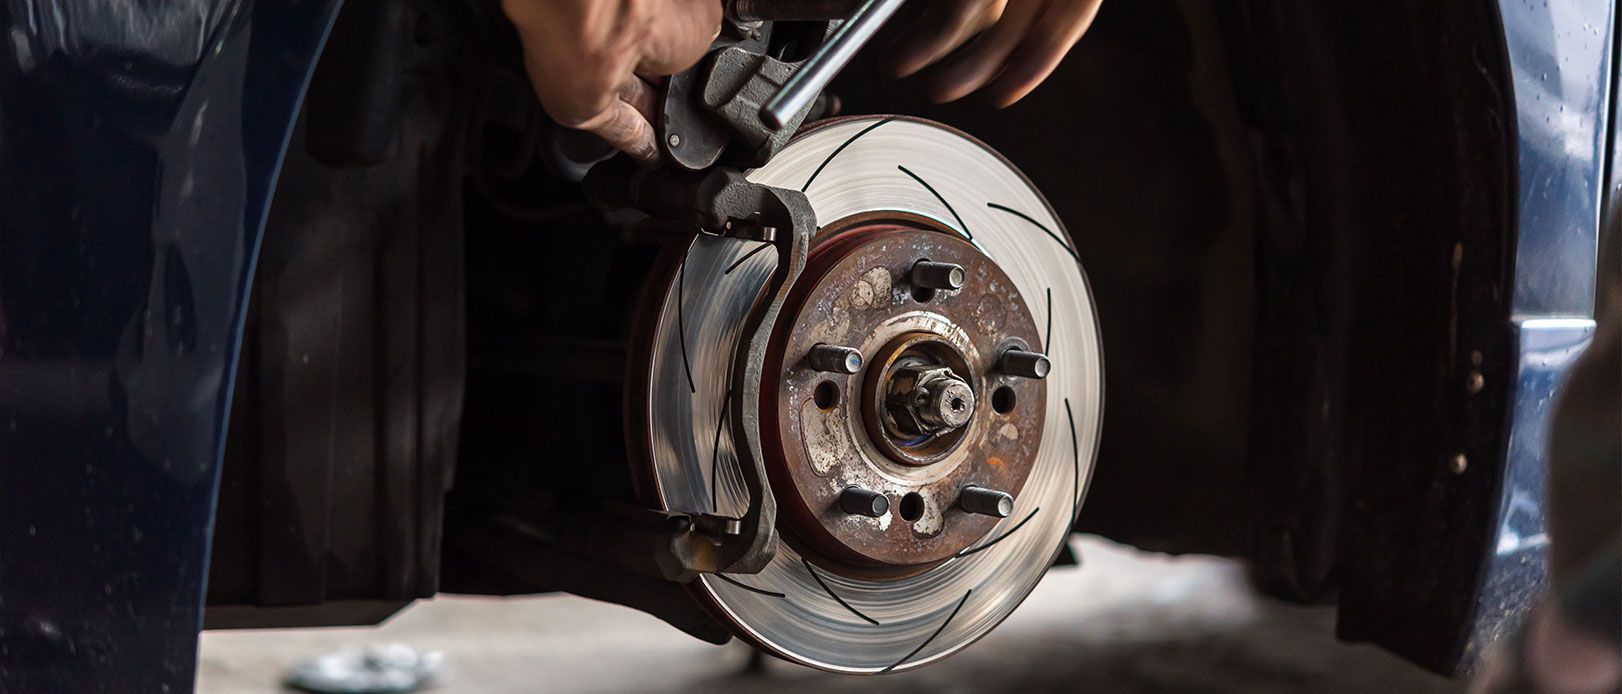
[[1047, 335], [839, 149], [763, 246], [1066, 245], [681, 318], [750, 588], [938, 631], [973, 550], [960, 225], [1075, 469], [835, 596], [715, 457]]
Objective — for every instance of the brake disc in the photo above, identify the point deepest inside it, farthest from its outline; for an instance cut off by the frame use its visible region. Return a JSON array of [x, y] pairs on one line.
[[899, 543]]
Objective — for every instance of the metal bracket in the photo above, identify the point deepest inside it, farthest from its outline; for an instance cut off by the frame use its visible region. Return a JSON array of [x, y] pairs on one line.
[[722, 202], [741, 105], [690, 135], [740, 95], [736, 87]]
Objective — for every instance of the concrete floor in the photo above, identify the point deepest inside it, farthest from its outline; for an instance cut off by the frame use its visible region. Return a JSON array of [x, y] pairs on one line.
[[1125, 621]]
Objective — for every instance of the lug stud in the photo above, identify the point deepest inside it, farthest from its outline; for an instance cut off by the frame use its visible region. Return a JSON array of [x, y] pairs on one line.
[[1018, 362], [863, 502], [986, 502], [835, 359], [935, 275]]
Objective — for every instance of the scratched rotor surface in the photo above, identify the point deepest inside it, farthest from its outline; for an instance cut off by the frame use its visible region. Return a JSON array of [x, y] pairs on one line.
[[810, 614]]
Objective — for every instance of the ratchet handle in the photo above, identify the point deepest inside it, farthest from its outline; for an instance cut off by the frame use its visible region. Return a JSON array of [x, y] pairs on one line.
[[818, 70]]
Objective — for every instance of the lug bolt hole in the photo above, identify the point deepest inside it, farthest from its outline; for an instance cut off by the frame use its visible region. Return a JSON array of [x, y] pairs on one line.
[[826, 395], [922, 295], [1002, 400], [912, 507]]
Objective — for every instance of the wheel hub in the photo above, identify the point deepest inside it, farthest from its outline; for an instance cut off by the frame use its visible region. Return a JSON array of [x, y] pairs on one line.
[[930, 316]]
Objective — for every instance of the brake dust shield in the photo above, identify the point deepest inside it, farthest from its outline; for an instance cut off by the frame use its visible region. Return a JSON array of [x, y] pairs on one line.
[[891, 477]]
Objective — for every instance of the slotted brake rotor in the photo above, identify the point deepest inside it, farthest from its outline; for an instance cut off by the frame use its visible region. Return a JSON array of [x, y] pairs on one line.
[[926, 457]]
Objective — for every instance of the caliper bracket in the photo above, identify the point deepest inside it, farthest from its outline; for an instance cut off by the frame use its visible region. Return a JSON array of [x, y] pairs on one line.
[[719, 202]]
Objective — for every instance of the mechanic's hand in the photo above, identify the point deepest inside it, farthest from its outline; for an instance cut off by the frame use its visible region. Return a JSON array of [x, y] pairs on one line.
[[1015, 45], [587, 58]]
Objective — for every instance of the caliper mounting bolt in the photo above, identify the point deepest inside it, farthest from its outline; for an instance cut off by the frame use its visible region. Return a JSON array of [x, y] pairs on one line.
[[1018, 362], [863, 502], [933, 275], [986, 502], [835, 359]]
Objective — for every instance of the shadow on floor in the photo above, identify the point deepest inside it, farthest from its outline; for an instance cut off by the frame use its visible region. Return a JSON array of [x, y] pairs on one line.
[[1125, 621]]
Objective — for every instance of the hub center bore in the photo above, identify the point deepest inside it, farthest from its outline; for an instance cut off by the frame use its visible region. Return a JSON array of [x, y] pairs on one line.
[[919, 398], [896, 436], [923, 399]]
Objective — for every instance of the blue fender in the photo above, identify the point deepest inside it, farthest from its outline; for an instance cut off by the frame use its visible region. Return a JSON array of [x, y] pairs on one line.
[[139, 146], [1564, 71]]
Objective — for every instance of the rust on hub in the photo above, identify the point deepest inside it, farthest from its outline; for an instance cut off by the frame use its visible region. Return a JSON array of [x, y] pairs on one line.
[[917, 423]]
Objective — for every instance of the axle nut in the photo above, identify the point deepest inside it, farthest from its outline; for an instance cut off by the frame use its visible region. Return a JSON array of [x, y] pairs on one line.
[[949, 404], [927, 400]]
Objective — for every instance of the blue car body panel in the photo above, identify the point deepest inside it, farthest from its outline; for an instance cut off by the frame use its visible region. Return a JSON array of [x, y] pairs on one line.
[[1560, 62], [1563, 74], [139, 144]]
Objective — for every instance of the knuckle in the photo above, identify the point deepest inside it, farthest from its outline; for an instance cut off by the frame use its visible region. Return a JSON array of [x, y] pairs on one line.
[[576, 103], [992, 12], [580, 114], [588, 120]]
